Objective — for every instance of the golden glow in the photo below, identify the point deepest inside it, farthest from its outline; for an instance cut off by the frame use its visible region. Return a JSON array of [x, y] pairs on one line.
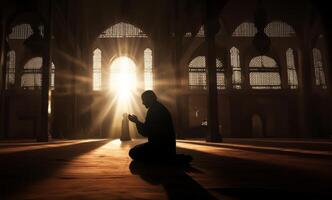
[[123, 77], [123, 93]]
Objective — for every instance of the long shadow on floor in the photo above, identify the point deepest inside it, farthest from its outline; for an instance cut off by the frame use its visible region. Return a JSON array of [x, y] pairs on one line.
[[254, 179], [173, 178], [20, 169]]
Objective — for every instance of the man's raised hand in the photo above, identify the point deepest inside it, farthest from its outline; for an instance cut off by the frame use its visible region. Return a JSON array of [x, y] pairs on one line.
[[133, 118]]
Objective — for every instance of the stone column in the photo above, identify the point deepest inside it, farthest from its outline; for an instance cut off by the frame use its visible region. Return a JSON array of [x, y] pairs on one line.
[[3, 56], [211, 28], [43, 136], [305, 88], [244, 64], [283, 69], [177, 54], [228, 69]]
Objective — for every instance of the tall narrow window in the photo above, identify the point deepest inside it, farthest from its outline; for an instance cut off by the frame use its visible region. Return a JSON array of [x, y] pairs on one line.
[[220, 75], [52, 76], [236, 67], [320, 80], [264, 73], [148, 73], [291, 70], [97, 69], [31, 78], [197, 74], [10, 76]]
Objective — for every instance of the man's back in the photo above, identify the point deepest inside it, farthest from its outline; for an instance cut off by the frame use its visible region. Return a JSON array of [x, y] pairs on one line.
[[160, 127]]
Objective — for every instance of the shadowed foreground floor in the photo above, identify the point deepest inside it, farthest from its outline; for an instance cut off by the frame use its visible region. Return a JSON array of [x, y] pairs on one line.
[[101, 169]]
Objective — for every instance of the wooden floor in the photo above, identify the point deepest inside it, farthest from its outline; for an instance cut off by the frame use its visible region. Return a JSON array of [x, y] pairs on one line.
[[101, 169]]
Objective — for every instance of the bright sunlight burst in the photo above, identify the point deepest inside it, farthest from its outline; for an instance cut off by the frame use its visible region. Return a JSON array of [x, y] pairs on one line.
[[123, 77]]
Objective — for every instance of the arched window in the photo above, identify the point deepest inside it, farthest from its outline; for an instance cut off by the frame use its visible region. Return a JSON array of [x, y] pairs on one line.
[[320, 79], [264, 73], [31, 78], [197, 73], [236, 68], [279, 29], [291, 70], [123, 30], [148, 73], [22, 31], [10, 76], [96, 69], [246, 29]]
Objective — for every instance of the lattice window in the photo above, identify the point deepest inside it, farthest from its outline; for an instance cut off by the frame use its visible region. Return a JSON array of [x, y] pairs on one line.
[[236, 67], [22, 31], [123, 30], [245, 29], [31, 78], [197, 74], [264, 73], [291, 70], [279, 29], [148, 73], [10, 76], [220, 75], [320, 79], [96, 70]]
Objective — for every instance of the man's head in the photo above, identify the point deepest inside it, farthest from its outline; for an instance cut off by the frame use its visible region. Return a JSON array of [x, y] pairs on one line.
[[148, 98]]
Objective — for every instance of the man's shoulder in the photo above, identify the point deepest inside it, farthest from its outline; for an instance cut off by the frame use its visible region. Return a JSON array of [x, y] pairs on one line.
[[158, 107]]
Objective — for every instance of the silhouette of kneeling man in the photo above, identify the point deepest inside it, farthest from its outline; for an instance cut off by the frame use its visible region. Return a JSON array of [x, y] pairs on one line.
[[158, 128]]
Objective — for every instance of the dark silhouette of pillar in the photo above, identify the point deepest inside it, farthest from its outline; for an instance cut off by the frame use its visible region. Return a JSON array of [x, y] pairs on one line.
[[3, 55], [177, 54], [211, 29], [43, 136], [305, 83]]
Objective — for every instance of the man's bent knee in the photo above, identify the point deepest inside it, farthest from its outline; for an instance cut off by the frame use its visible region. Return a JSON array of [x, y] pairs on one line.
[[133, 153]]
